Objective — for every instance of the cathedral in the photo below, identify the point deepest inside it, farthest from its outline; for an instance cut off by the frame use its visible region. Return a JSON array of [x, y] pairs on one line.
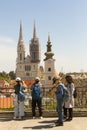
[[28, 67]]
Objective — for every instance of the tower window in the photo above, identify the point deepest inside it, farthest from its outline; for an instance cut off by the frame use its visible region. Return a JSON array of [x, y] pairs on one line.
[[27, 67], [49, 69]]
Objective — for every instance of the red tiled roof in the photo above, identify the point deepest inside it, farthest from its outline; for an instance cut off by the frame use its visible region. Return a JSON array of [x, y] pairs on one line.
[[28, 83]]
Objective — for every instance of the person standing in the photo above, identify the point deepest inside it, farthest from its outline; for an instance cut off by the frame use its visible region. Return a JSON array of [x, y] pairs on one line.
[[18, 105], [59, 96], [68, 106], [36, 97]]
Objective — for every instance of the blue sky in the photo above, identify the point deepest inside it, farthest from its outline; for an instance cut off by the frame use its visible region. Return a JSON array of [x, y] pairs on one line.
[[65, 20]]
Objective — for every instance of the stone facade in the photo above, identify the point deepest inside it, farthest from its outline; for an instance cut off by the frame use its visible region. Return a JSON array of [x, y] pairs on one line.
[[28, 67]]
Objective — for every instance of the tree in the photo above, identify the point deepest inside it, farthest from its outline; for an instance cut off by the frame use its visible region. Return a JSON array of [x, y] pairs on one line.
[[12, 75]]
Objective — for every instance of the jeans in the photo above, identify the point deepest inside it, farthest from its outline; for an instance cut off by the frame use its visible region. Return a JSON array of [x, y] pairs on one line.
[[18, 107], [59, 109]]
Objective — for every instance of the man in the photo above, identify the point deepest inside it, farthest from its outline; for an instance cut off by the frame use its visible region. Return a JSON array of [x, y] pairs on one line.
[[59, 96], [36, 97]]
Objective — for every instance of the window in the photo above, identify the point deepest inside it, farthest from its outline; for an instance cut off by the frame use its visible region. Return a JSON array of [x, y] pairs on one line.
[[49, 69], [27, 67]]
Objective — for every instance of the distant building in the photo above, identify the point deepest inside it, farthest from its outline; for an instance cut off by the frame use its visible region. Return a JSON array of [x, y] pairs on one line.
[[4, 84]]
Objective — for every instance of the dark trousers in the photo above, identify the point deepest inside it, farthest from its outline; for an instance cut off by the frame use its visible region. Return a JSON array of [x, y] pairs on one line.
[[37, 102], [70, 110]]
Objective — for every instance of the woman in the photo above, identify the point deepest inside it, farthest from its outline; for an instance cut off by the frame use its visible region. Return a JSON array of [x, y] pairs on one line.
[[70, 103], [18, 105]]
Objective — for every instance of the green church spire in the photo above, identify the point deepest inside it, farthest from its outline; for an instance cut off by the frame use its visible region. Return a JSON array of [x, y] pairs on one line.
[[49, 54]]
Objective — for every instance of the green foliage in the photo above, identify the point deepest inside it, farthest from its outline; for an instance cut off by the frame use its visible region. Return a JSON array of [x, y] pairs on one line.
[[7, 76], [12, 75]]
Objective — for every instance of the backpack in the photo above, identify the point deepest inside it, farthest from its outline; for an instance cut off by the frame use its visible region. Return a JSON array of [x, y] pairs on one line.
[[36, 92], [65, 94], [75, 93]]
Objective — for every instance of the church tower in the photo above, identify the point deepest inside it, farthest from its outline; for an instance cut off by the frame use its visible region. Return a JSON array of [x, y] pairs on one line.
[[27, 67], [35, 47], [20, 54], [49, 62]]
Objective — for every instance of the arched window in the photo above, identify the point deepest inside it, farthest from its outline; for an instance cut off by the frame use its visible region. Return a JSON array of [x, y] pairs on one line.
[[29, 67], [49, 69]]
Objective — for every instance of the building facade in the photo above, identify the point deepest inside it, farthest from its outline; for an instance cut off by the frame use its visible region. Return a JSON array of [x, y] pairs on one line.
[[28, 67]]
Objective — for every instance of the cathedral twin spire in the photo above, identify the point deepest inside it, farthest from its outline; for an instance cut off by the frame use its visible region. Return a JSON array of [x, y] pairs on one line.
[[34, 31], [20, 33], [49, 54]]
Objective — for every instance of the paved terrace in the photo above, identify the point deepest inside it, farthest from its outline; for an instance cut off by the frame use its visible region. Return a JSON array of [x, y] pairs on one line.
[[78, 123]]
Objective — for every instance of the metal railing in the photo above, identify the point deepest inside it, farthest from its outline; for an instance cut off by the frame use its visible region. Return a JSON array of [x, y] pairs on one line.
[[48, 100]]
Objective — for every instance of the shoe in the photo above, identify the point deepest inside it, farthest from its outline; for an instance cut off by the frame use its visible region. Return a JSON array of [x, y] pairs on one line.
[[41, 117], [59, 124], [33, 117], [69, 119], [64, 119]]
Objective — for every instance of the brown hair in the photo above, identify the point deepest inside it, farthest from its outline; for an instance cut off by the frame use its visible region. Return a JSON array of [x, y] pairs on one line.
[[69, 78]]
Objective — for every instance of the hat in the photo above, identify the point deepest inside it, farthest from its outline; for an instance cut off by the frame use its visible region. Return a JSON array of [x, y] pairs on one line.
[[18, 79], [56, 78], [37, 79]]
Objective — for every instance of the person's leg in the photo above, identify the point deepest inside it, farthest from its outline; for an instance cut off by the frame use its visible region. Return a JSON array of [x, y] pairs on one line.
[[65, 112], [39, 104], [21, 109], [16, 107], [33, 107], [70, 113], [60, 115]]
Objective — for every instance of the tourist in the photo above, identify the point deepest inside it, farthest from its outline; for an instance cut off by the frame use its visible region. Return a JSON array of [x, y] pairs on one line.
[[36, 97], [59, 96], [18, 105], [68, 106]]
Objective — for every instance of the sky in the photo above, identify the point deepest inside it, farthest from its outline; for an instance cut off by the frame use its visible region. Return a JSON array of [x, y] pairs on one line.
[[64, 20]]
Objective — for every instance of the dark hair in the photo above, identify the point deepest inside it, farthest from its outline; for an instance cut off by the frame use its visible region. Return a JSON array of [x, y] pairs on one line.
[[36, 81], [69, 78]]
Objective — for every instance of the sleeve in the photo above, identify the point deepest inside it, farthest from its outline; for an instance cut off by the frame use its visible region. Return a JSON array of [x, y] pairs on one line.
[[72, 88]]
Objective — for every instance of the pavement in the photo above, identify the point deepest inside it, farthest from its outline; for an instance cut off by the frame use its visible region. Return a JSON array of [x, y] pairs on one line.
[[78, 123]]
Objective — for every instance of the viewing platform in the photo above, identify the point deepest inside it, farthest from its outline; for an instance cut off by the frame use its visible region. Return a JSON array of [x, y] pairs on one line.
[[78, 123]]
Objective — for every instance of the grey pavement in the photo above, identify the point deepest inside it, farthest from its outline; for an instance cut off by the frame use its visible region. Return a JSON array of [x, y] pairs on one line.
[[78, 123]]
